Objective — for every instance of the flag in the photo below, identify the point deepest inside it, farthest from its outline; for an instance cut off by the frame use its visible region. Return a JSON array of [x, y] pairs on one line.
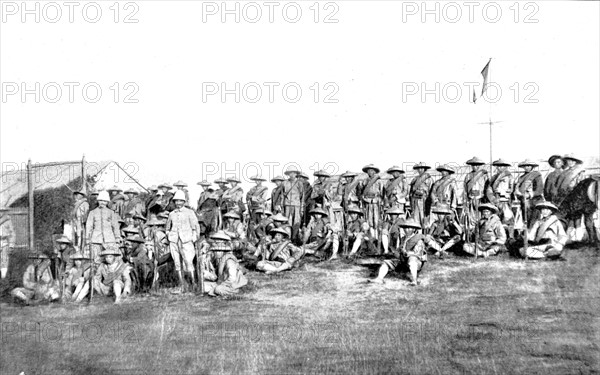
[[484, 73]]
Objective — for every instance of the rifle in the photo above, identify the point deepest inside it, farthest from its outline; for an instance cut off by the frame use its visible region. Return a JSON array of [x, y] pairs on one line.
[[199, 266], [469, 210], [155, 255], [91, 272], [525, 225], [344, 234]]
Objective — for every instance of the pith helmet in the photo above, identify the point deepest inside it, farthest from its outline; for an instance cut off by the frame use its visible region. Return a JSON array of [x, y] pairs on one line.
[[179, 196], [318, 210], [257, 178], [103, 196], [284, 231], [280, 218], [277, 178]]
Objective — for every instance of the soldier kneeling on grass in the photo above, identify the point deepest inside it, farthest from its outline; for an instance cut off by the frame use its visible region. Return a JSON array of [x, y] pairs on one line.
[[112, 277], [547, 237], [76, 277], [413, 253], [490, 235], [279, 255], [223, 273], [38, 283]]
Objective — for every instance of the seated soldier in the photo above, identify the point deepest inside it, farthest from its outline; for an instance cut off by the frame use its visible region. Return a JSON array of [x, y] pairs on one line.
[[279, 255], [223, 273], [317, 235], [356, 229], [547, 237], [234, 228], [38, 283], [390, 229], [77, 276], [490, 235], [445, 231], [112, 277], [65, 252], [413, 253], [137, 256]]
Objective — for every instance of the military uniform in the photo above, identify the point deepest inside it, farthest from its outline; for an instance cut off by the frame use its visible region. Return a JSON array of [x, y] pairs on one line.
[[102, 231], [38, 283], [490, 238], [208, 210], [350, 193], [569, 178], [547, 237], [182, 231], [117, 201], [444, 190], [277, 195], [371, 194], [256, 198], [231, 200], [224, 274], [134, 206], [293, 202], [235, 230], [444, 232], [498, 192], [391, 232], [7, 241], [529, 190], [278, 254], [356, 229], [551, 183], [474, 188], [396, 191], [317, 234], [75, 279], [419, 192], [79, 216], [109, 276]]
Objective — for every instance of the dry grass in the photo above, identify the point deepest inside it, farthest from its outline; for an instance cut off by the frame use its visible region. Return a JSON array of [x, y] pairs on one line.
[[495, 316]]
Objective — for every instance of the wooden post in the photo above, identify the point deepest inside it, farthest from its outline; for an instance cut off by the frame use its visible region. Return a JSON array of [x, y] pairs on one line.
[[30, 218], [83, 175]]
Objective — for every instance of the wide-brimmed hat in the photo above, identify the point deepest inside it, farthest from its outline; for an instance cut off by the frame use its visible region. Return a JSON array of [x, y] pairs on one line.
[[63, 239], [528, 162], [441, 208], [280, 218], [277, 178], [234, 179], [303, 175], [179, 183], [422, 165], [220, 235], [257, 178], [259, 210], [370, 166], [553, 158], [487, 206], [447, 168], [395, 168], [291, 169], [409, 223], [321, 173], [572, 157], [135, 238], [232, 214], [394, 211], [268, 212], [164, 214], [349, 174], [284, 231], [131, 191], [355, 209], [153, 188], [318, 210], [475, 161], [221, 181], [501, 163], [78, 255], [80, 192], [38, 255], [165, 185], [131, 229], [114, 188], [139, 217], [203, 183], [548, 205], [111, 250]]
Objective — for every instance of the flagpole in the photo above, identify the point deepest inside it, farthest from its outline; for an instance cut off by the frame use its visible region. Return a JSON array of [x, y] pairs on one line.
[[490, 119]]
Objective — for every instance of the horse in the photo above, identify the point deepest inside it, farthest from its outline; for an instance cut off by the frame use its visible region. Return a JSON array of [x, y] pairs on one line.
[[584, 200]]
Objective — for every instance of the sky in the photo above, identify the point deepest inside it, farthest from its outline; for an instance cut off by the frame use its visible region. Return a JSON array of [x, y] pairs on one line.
[[375, 61]]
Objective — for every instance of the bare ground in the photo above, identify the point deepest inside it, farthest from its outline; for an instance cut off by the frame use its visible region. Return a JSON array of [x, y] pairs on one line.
[[496, 316]]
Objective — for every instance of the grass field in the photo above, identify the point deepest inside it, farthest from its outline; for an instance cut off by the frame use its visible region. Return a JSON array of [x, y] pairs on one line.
[[493, 316]]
